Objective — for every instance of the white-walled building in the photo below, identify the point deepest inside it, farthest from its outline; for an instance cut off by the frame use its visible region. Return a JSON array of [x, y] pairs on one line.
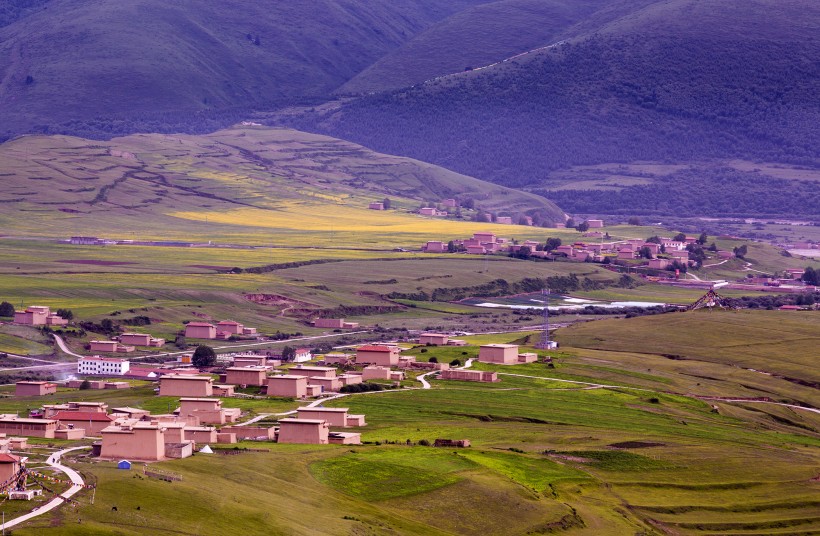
[[103, 366]]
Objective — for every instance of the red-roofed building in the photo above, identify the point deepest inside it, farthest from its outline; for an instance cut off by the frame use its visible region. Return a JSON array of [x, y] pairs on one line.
[[385, 356], [91, 421], [10, 466]]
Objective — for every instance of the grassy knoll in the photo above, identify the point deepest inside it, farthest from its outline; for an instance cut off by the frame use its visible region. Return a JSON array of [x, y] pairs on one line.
[[23, 340], [768, 341]]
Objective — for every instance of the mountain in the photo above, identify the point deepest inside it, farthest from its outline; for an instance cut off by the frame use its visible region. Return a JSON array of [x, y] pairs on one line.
[[157, 184], [143, 64], [670, 81]]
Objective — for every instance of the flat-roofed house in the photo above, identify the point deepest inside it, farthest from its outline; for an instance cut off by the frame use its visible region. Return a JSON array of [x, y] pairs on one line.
[[337, 323], [500, 354], [288, 386], [328, 385], [313, 372], [435, 247], [38, 315], [185, 385], [200, 330], [103, 346], [309, 431], [376, 206], [143, 441], [434, 339], [201, 434], [11, 425], [246, 375], [34, 388], [229, 326], [386, 356], [334, 416], [250, 360], [595, 224], [141, 339], [469, 375], [350, 379], [373, 372], [207, 410]]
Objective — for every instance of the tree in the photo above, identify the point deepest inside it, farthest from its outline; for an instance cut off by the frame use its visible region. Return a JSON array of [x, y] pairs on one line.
[[451, 247], [180, 342], [85, 385], [552, 243], [653, 240], [712, 247], [455, 363], [634, 220], [386, 203], [570, 223], [740, 251], [811, 276], [583, 227], [680, 237], [288, 353], [6, 309], [68, 314], [204, 356], [645, 252], [702, 238]]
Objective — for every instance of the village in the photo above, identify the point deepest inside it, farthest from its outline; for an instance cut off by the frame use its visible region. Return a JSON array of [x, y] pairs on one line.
[[203, 419]]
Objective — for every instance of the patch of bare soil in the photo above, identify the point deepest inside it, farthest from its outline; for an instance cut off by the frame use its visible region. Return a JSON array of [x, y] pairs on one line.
[[635, 445]]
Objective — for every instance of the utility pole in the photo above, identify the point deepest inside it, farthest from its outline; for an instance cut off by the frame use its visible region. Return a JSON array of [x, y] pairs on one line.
[[545, 337]]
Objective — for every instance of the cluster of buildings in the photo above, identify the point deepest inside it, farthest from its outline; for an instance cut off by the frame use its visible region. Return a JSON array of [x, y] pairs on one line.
[[220, 331], [127, 342], [38, 315], [135, 434], [487, 243]]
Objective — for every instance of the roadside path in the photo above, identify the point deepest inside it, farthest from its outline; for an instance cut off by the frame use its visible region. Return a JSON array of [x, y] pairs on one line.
[[61, 343], [77, 484]]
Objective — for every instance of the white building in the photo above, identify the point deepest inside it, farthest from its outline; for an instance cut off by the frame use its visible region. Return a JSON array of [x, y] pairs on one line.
[[103, 366]]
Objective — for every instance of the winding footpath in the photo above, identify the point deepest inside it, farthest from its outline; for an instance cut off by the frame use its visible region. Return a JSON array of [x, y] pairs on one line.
[[77, 484]]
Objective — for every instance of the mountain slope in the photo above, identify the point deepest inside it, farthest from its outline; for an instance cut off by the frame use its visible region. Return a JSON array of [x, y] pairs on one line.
[[104, 58], [472, 38], [54, 185], [678, 80]]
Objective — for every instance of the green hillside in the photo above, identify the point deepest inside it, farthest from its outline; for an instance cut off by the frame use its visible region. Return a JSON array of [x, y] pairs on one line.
[[677, 82], [248, 178], [151, 63]]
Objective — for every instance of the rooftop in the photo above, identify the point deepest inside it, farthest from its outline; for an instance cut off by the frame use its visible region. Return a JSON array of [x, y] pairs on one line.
[[82, 416]]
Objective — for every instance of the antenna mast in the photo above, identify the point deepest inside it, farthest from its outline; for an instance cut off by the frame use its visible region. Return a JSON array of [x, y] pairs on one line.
[[545, 343]]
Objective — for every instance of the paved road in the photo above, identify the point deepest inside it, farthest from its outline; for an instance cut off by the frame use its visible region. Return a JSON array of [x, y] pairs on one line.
[[76, 485], [61, 343]]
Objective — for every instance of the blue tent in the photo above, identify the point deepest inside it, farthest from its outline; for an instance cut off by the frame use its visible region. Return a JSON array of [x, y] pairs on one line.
[[124, 464]]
